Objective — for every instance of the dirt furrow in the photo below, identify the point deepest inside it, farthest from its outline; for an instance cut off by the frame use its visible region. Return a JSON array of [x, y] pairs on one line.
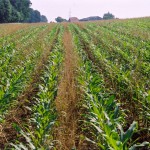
[[67, 99]]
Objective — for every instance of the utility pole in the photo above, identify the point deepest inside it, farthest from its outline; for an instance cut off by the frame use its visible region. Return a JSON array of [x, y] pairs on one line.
[[70, 13]]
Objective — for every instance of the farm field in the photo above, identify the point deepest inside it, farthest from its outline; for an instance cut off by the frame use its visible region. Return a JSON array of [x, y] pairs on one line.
[[75, 86]]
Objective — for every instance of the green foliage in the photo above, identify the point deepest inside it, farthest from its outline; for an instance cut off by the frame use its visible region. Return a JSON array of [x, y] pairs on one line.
[[15, 77], [116, 53], [92, 18], [104, 113], [15, 16], [60, 19], [19, 11], [21, 7], [44, 113], [108, 16], [113, 80], [35, 16], [43, 18], [5, 11]]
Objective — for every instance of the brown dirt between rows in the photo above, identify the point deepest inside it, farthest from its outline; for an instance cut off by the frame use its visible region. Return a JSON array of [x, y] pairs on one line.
[[19, 114], [68, 131], [67, 99]]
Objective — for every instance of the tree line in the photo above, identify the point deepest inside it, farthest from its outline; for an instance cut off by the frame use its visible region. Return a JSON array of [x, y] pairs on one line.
[[19, 11], [106, 16]]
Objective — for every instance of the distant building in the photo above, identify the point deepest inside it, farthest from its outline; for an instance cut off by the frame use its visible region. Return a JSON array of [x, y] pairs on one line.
[[73, 19]]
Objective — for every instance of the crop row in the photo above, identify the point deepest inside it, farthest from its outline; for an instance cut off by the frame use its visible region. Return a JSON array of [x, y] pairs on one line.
[[123, 75], [43, 111], [16, 69], [104, 111]]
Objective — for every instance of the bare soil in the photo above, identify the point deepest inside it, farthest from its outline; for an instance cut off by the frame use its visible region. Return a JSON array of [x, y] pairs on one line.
[[67, 99], [68, 132]]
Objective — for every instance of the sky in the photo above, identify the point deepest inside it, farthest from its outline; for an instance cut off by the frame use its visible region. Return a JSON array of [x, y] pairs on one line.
[[85, 8]]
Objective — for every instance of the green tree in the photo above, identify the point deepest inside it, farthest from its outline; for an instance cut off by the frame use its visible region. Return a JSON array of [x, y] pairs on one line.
[[108, 16], [5, 11], [22, 7], [19, 11], [60, 19], [35, 16], [43, 19], [15, 16]]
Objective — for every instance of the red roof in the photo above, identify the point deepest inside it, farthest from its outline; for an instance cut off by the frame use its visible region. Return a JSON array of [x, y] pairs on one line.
[[73, 19]]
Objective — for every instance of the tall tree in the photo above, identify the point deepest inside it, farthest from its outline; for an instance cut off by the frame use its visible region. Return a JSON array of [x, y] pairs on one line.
[[5, 11], [60, 19], [43, 19], [108, 16], [22, 7], [35, 16], [15, 16], [19, 11]]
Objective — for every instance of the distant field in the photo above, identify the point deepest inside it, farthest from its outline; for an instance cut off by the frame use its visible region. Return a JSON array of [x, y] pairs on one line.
[[83, 86]]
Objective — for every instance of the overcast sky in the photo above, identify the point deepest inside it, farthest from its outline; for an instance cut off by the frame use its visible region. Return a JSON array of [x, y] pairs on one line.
[[86, 8]]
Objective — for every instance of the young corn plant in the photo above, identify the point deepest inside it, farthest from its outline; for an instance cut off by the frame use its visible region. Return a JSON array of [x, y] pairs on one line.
[[121, 74], [14, 82], [15, 77], [104, 114], [44, 113]]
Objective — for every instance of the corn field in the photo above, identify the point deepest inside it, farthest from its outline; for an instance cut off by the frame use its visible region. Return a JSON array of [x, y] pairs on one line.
[[75, 86]]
